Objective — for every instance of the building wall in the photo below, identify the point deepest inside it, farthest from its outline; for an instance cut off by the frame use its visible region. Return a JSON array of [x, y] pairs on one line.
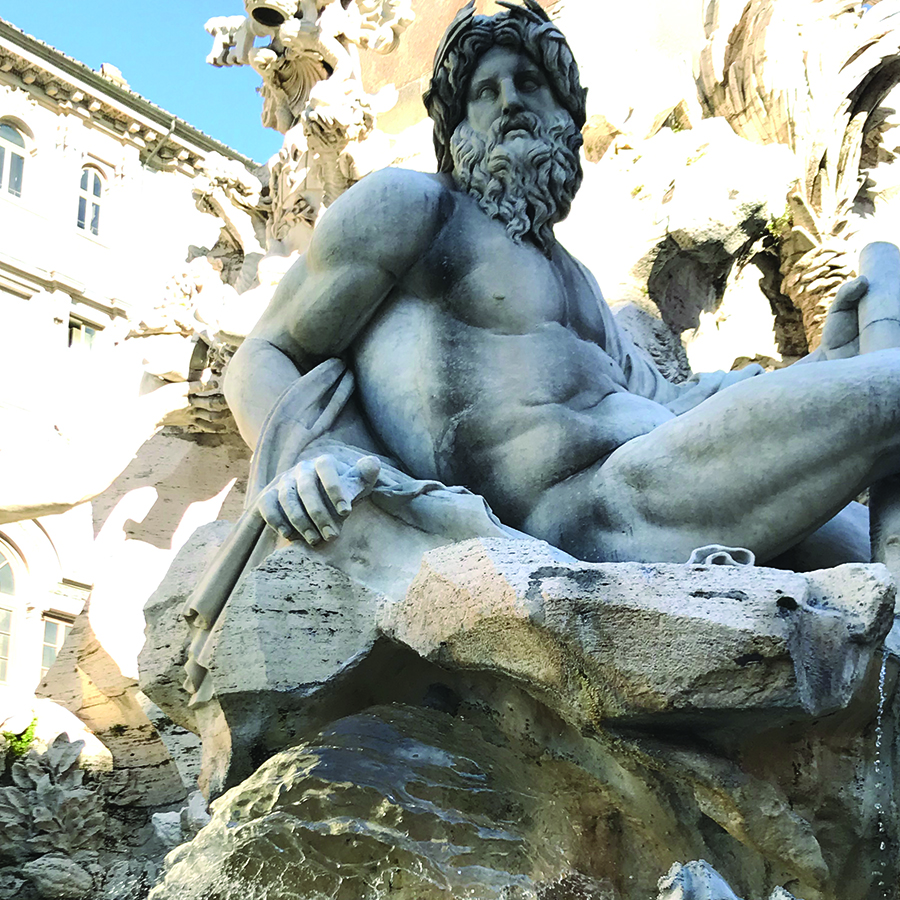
[[147, 219], [67, 296]]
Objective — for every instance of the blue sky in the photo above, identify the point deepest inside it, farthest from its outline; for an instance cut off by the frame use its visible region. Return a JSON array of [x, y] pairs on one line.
[[161, 48]]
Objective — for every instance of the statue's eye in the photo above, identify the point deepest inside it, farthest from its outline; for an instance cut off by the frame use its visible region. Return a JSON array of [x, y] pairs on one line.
[[530, 83], [486, 92]]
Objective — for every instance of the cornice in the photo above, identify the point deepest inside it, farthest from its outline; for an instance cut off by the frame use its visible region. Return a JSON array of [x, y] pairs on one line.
[[24, 279], [163, 140]]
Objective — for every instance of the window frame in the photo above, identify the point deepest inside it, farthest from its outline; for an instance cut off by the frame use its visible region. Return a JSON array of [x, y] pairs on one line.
[[86, 333], [91, 196], [7, 659], [10, 603], [64, 624], [11, 150]]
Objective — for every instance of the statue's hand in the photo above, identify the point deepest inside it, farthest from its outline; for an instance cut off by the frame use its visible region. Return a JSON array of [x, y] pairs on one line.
[[263, 60], [312, 499], [840, 336]]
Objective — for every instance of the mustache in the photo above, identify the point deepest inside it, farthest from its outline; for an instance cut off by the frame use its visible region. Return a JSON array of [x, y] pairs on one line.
[[517, 121]]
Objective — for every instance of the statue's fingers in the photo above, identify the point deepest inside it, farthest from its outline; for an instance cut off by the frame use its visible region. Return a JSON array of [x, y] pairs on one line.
[[293, 509], [361, 478], [273, 515], [326, 469], [317, 507], [850, 293]]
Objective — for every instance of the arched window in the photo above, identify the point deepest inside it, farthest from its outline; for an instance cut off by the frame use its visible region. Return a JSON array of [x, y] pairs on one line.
[[12, 159], [7, 590], [90, 195]]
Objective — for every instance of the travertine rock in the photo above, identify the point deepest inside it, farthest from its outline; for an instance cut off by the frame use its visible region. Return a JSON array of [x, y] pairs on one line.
[[698, 880], [814, 77], [622, 641], [182, 744], [128, 879], [694, 881], [687, 208], [11, 883], [53, 720], [167, 826], [295, 628], [174, 828], [175, 485], [390, 802], [58, 878], [754, 671], [161, 660], [500, 799], [86, 679]]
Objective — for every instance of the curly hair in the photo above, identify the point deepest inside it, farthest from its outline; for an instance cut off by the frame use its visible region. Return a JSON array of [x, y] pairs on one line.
[[526, 29]]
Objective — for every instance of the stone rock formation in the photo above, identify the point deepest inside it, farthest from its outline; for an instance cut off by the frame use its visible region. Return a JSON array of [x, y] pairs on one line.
[[514, 720], [141, 528], [64, 834], [734, 638], [692, 210]]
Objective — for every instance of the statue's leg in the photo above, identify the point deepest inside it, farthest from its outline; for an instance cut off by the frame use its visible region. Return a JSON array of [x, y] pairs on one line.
[[842, 539], [761, 465]]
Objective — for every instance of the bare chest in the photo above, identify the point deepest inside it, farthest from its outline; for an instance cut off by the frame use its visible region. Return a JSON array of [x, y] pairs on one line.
[[483, 279]]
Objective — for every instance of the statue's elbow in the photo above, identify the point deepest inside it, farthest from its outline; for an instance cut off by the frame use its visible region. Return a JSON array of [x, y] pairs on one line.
[[233, 377], [239, 392]]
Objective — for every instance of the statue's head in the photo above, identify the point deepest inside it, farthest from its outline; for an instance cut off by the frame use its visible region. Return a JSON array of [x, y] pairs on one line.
[[526, 29], [508, 108]]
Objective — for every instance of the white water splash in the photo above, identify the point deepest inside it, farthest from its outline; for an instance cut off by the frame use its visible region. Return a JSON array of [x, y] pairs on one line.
[[880, 786]]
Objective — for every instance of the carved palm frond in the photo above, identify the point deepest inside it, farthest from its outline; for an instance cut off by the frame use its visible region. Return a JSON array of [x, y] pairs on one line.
[[810, 75]]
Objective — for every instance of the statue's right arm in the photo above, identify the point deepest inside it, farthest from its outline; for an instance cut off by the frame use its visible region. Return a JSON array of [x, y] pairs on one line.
[[362, 247]]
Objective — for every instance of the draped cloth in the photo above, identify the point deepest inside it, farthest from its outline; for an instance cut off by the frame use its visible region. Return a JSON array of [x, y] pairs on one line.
[[381, 545]]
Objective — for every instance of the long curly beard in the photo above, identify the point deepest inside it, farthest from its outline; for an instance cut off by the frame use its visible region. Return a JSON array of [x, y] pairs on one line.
[[525, 172]]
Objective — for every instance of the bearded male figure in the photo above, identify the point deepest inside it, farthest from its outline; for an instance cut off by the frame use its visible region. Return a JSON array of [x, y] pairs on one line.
[[484, 355]]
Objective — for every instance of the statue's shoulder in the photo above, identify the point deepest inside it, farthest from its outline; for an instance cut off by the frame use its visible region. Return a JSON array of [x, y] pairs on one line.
[[403, 184], [392, 204]]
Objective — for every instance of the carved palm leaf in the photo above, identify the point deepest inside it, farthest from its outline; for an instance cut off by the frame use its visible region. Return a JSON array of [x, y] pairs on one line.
[[809, 75]]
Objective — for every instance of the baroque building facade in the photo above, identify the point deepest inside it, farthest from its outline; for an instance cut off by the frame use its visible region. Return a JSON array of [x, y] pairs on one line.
[[96, 215]]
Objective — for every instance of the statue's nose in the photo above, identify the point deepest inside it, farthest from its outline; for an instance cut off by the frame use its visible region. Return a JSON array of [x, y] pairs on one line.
[[510, 96]]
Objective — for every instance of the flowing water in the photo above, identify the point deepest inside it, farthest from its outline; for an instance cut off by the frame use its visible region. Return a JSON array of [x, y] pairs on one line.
[[382, 803], [882, 788]]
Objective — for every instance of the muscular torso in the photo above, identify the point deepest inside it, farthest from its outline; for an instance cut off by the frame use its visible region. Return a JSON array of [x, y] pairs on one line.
[[487, 366]]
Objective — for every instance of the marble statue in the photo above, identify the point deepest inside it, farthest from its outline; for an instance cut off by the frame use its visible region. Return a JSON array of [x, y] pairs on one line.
[[312, 50], [454, 340]]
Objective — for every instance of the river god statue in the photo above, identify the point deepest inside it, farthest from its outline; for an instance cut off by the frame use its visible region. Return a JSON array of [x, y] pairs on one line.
[[482, 354]]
